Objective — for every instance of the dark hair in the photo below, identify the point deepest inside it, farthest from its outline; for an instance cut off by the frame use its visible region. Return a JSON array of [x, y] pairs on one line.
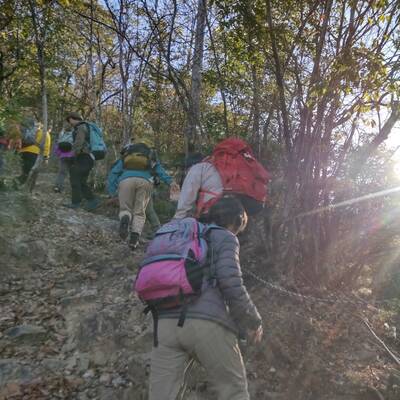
[[192, 159], [227, 211], [73, 115]]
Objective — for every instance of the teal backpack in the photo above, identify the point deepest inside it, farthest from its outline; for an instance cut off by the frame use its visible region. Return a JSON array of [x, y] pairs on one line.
[[97, 146]]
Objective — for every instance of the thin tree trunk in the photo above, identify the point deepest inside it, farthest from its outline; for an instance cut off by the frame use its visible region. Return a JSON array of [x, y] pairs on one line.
[[40, 33], [194, 107]]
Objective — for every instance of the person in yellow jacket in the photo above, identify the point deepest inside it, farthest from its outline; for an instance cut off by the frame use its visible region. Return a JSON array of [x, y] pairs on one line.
[[31, 132]]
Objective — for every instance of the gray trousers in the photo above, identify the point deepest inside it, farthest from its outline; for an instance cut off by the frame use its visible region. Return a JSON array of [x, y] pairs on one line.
[[215, 347], [62, 173]]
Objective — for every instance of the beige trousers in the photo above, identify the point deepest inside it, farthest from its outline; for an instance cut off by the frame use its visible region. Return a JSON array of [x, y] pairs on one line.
[[134, 195], [212, 345]]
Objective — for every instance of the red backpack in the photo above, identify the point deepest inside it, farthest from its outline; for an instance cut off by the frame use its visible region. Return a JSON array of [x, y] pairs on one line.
[[240, 172]]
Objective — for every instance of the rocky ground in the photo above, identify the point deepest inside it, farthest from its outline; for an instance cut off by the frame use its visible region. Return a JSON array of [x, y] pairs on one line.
[[70, 327]]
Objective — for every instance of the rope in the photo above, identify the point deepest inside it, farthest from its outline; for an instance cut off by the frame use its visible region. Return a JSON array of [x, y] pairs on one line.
[[331, 300]]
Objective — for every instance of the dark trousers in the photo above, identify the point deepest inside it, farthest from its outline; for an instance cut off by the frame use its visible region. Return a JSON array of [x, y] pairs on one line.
[[28, 161], [79, 170]]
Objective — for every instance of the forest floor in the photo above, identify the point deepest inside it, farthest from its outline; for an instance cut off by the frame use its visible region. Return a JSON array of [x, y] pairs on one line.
[[71, 328]]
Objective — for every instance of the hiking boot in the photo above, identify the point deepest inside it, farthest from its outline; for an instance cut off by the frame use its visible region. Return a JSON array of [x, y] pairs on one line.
[[134, 240], [92, 204], [73, 206], [124, 227]]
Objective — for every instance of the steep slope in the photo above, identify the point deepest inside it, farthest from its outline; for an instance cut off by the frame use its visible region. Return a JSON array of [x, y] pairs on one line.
[[70, 327]]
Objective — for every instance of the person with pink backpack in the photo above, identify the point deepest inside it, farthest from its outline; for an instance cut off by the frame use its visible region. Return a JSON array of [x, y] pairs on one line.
[[231, 169], [190, 279]]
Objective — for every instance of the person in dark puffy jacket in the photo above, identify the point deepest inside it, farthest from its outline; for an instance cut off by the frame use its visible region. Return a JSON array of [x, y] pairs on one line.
[[213, 321]]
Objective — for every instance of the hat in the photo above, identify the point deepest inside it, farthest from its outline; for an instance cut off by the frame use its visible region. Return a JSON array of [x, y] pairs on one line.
[[74, 115]]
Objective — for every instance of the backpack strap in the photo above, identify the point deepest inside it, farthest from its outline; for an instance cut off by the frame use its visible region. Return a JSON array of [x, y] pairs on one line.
[[204, 206], [74, 130], [182, 315], [154, 314]]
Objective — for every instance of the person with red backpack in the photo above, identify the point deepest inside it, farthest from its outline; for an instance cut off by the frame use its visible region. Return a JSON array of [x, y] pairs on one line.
[[191, 281], [231, 169]]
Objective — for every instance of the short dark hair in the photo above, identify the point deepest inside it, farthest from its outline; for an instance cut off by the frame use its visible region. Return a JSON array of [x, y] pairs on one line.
[[74, 115], [227, 211], [192, 159]]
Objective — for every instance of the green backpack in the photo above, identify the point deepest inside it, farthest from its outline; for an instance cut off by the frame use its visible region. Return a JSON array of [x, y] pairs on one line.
[[139, 157]]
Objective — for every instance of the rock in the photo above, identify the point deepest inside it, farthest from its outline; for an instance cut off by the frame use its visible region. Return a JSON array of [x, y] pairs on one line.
[[11, 390], [118, 381], [95, 325], [57, 292], [82, 396], [80, 361], [72, 362], [138, 367], [83, 362], [99, 357], [69, 346], [89, 374], [86, 296], [28, 334], [119, 300], [105, 379], [24, 248], [13, 370], [75, 381], [54, 364]]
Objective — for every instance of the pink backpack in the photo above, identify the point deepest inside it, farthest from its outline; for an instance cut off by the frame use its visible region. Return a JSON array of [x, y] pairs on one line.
[[173, 268]]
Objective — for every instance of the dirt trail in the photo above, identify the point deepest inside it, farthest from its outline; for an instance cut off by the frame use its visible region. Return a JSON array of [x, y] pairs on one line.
[[70, 327]]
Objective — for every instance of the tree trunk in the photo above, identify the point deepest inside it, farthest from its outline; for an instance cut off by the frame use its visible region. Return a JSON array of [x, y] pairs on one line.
[[40, 33], [194, 107]]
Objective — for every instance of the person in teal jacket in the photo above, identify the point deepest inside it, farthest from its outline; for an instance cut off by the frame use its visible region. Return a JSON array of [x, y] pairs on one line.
[[132, 178]]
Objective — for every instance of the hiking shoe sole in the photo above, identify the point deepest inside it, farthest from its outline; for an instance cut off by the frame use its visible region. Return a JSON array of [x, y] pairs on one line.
[[124, 227]]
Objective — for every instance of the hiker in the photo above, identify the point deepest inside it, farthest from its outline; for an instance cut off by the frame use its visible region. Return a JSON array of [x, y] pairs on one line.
[[28, 146], [213, 321], [231, 169], [151, 214], [201, 184], [82, 163], [133, 176], [64, 153]]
